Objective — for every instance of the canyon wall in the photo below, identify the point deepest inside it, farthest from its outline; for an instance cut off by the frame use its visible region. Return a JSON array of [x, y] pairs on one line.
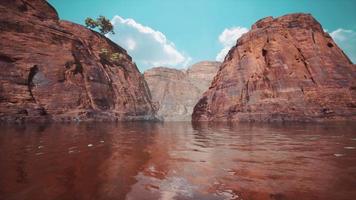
[[57, 70], [283, 69]]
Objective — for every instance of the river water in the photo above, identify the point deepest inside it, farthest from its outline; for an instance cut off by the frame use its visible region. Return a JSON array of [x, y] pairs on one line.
[[139, 160]]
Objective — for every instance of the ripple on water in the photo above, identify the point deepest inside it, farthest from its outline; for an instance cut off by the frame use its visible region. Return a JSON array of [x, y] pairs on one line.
[[176, 185], [338, 154], [227, 194]]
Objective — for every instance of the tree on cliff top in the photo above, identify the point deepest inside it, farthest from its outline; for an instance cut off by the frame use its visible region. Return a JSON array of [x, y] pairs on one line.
[[102, 23]]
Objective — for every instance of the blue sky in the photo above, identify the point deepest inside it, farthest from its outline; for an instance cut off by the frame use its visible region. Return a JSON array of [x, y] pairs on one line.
[[178, 33]]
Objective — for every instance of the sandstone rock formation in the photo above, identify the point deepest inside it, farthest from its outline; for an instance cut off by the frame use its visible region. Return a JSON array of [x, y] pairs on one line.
[[176, 92], [57, 70], [283, 69]]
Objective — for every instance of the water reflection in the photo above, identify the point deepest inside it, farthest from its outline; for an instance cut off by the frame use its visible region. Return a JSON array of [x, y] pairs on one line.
[[178, 161]]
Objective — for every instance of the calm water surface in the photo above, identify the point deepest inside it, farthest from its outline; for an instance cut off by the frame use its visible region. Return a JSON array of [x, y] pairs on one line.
[[177, 161]]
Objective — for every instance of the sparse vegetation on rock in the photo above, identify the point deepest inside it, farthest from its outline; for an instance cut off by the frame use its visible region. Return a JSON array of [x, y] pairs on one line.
[[108, 56], [102, 23]]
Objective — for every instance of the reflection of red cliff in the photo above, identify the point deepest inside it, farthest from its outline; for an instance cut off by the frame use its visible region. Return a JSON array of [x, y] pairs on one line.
[[51, 69], [286, 68]]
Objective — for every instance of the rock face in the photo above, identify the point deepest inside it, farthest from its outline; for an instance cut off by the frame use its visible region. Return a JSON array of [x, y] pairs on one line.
[[283, 69], [57, 70], [176, 92]]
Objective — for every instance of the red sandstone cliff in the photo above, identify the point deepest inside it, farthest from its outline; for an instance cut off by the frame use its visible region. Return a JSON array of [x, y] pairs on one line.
[[56, 70], [283, 69]]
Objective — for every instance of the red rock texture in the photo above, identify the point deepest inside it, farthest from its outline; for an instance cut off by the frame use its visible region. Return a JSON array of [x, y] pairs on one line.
[[283, 69], [56, 70]]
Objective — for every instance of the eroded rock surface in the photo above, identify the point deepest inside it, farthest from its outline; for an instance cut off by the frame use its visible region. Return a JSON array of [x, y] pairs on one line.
[[283, 69], [57, 70], [175, 92]]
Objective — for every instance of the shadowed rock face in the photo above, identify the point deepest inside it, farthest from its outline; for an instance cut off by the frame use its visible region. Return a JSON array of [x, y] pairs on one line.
[[56, 70], [176, 92], [284, 69]]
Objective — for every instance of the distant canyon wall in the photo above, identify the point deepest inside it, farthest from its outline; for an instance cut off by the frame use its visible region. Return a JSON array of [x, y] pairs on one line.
[[175, 92]]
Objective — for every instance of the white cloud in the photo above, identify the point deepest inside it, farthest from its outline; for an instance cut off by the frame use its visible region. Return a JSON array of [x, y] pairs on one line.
[[148, 47], [346, 39], [131, 44], [228, 39]]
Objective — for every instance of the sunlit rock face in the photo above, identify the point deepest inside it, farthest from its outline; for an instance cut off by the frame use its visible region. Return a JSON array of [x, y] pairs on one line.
[[175, 92], [57, 70], [283, 69]]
